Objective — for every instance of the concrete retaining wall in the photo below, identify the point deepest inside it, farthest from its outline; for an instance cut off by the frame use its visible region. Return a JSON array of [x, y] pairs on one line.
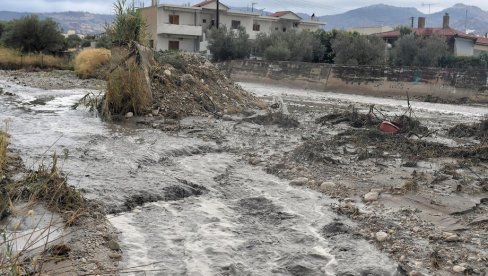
[[371, 80]]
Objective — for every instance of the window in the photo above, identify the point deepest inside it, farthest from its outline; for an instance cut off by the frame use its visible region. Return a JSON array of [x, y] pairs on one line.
[[284, 30], [174, 45], [256, 27], [276, 28], [212, 23], [174, 19], [204, 20], [295, 25], [151, 44], [236, 24]]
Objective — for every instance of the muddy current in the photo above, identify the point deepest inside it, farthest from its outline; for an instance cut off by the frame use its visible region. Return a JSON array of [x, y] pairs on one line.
[[186, 205]]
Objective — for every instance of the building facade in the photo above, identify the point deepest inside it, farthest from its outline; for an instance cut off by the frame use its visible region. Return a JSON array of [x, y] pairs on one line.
[[175, 27], [460, 44]]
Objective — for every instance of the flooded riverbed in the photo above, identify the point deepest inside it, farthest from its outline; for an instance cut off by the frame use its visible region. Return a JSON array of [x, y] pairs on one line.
[[185, 205]]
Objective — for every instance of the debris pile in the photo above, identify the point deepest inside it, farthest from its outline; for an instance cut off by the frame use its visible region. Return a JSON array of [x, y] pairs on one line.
[[354, 118], [170, 84], [187, 84], [375, 144], [478, 130]]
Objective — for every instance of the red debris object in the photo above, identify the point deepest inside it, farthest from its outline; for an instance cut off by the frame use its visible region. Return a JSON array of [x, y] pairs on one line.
[[389, 127]]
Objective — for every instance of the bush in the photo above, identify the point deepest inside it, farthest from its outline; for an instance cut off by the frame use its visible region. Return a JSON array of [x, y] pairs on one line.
[[89, 60], [12, 59], [73, 41], [477, 62], [277, 52]]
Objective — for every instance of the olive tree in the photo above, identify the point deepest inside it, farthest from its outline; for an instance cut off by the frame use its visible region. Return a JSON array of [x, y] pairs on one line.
[[30, 34], [356, 49], [411, 50], [225, 44]]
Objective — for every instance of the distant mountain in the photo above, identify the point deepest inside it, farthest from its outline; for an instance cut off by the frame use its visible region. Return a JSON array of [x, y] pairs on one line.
[[81, 22], [477, 19], [370, 16], [387, 15]]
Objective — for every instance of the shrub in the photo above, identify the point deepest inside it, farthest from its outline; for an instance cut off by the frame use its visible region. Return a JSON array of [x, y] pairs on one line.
[[277, 52], [89, 60], [126, 92], [12, 59]]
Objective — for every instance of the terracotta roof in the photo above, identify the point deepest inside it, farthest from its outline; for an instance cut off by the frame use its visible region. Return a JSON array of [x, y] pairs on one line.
[[280, 13], [482, 40], [447, 32]]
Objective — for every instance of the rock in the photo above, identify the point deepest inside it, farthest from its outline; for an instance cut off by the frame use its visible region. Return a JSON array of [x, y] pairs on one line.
[[155, 112], [116, 256], [299, 181], [371, 196], [167, 72], [479, 220], [415, 273], [458, 269], [83, 260], [113, 245], [187, 78], [381, 236], [452, 238], [129, 115], [326, 186]]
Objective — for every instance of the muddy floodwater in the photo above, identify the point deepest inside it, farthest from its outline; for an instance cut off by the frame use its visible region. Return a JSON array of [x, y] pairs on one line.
[[189, 202]]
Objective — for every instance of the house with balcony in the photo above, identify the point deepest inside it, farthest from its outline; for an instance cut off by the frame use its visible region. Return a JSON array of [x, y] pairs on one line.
[[178, 27]]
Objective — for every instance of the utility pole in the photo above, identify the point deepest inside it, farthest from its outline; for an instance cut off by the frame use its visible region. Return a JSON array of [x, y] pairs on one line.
[[466, 22], [428, 4], [217, 16], [252, 6]]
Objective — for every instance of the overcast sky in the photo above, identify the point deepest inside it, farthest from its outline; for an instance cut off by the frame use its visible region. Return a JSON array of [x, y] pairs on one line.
[[319, 7]]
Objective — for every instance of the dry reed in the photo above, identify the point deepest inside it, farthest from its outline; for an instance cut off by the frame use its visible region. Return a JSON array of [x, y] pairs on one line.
[[89, 60], [126, 92], [12, 59]]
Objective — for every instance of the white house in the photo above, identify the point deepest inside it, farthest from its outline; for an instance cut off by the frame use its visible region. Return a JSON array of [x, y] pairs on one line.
[[184, 27]]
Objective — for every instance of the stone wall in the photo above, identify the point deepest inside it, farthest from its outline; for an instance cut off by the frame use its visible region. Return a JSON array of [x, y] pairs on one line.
[[371, 80]]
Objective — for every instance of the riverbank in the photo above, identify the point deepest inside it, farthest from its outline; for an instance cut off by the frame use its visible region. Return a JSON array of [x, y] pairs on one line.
[[309, 194], [48, 228]]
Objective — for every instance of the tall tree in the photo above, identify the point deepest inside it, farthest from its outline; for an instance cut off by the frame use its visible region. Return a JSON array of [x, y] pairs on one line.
[[225, 44], [29, 34], [356, 49]]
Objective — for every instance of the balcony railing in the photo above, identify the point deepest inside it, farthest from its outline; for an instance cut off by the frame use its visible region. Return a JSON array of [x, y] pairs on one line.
[[180, 29]]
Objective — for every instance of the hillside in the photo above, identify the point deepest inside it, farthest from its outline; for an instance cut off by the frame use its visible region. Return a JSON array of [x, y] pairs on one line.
[[81, 22], [377, 15]]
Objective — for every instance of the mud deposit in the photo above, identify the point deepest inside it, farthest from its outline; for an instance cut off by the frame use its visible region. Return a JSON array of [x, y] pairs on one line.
[[230, 197]]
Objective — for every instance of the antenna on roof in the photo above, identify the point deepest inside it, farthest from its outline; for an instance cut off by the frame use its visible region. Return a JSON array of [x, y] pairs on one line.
[[252, 6], [428, 4]]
